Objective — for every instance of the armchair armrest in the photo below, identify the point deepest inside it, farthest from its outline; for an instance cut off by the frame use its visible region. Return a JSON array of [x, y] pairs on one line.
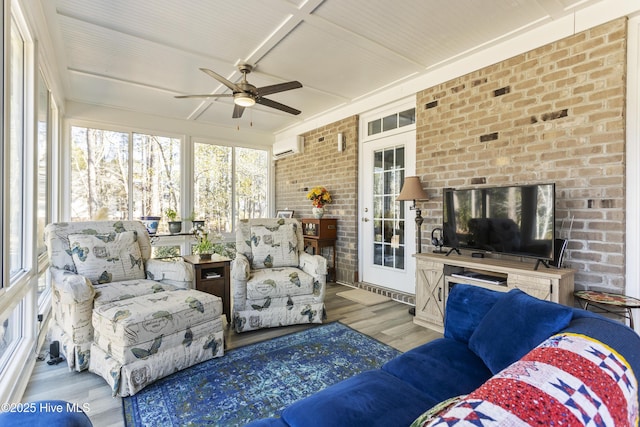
[[71, 287], [315, 265], [170, 271], [240, 273], [240, 267]]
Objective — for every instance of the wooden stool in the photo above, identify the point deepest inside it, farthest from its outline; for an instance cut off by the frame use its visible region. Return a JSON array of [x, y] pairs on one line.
[[618, 304]]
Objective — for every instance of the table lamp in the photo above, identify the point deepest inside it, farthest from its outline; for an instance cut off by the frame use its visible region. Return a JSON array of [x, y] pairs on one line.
[[412, 190]]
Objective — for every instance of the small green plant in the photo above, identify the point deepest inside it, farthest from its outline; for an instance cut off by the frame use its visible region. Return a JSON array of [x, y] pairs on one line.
[[192, 216], [204, 245], [171, 214]]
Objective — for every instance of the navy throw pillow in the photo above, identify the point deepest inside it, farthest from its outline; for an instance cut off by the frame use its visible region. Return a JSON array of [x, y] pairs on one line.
[[514, 326], [466, 307]]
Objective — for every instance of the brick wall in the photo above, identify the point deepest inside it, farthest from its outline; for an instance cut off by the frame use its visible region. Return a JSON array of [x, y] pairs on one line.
[[554, 114], [321, 164]]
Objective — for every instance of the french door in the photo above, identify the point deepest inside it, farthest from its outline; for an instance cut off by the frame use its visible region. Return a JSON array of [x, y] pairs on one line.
[[387, 230]]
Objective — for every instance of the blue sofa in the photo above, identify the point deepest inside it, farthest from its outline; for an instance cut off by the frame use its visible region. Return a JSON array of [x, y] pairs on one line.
[[494, 344]]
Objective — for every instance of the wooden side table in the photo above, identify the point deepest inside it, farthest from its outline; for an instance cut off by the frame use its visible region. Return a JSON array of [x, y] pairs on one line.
[[213, 277], [609, 303], [321, 233]]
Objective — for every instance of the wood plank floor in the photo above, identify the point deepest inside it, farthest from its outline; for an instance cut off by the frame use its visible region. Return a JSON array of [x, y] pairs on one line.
[[388, 322]]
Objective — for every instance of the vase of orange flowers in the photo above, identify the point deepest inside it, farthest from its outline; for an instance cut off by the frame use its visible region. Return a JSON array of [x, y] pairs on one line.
[[319, 197]]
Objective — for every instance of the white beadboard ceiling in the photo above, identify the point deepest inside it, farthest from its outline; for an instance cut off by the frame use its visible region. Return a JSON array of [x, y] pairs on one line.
[[135, 55]]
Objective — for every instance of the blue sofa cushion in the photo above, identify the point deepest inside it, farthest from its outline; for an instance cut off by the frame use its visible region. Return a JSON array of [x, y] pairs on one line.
[[441, 369], [466, 307], [513, 326], [49, 413], [372, 398]]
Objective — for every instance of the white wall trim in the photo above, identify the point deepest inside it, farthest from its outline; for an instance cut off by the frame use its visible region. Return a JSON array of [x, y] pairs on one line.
[[632, 217]]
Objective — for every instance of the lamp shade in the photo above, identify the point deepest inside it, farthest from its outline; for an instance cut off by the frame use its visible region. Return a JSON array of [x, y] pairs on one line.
[[412, 190]]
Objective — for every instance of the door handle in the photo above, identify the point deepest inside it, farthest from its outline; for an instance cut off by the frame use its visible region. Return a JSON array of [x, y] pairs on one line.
[[365, 219]]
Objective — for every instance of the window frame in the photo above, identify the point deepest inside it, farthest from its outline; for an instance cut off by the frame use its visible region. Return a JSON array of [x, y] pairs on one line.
[[18, 291], [186, 165]]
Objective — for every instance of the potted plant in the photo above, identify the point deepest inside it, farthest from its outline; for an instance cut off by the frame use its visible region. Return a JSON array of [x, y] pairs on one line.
[[204, 246], [175, 226], [151, 223], [194, 222]]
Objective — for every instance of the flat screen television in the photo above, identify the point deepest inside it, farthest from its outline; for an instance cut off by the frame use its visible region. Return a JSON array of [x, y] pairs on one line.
[[514, 220]]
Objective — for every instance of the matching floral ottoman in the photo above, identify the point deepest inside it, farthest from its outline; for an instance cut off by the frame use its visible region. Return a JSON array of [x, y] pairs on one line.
[[141, 339]]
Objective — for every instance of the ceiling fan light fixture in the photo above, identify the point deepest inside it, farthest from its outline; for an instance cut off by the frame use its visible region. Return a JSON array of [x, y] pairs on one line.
[[244, 100]]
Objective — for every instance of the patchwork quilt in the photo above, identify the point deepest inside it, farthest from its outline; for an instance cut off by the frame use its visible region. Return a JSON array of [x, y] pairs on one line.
[[569, 380]]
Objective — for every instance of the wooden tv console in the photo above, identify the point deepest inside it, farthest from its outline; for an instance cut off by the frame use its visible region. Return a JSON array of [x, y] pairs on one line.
[[437, 273]]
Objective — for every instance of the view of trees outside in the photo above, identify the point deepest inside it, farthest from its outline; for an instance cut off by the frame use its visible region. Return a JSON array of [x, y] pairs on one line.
[[99, 173], [212, 186], [252, 183], [118, 172], [213, 190], [156, 176]]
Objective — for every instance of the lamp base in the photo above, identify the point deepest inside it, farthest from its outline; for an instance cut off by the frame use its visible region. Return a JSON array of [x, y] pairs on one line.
[[439, 251]]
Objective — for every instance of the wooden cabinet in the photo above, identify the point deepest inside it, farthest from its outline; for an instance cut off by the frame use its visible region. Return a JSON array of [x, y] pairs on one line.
[[320, 228], [436, 274], [213, 277], [430, 293], [321, 233]]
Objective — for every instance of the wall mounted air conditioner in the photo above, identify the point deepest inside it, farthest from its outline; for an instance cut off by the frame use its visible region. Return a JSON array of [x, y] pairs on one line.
[[288, 147]]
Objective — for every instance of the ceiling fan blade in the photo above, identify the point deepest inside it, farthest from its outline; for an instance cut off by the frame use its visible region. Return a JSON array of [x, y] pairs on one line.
[[237, 111], [278, 106], [221, 79], [210, 95], [280, 87]]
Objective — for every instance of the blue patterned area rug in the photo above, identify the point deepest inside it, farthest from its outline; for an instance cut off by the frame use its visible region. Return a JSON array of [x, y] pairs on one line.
[[258, 380]]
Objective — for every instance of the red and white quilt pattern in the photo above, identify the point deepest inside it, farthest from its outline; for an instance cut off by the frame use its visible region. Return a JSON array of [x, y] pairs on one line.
[[568, 380]]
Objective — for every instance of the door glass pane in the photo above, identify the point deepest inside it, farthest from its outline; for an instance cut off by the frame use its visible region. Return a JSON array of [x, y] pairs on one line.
[[388, 214], [377, 162]]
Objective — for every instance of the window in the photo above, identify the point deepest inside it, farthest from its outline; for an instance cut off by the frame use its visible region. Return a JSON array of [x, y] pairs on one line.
[[126, 175], [99, 174], [16, 163], [214, 184], [156, 176], [252, 179], [391, 122], [17, 234], [43, 171]]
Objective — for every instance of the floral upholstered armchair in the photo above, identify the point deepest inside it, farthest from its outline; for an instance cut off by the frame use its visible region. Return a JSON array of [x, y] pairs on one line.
[[121, 314], [274, 281]]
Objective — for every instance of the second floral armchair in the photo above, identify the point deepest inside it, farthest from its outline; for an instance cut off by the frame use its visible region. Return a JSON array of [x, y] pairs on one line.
[[274, 281]]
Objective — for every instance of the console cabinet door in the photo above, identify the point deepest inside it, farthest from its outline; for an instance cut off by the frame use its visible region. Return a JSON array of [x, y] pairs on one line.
[[538, 287], [430, 295]]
